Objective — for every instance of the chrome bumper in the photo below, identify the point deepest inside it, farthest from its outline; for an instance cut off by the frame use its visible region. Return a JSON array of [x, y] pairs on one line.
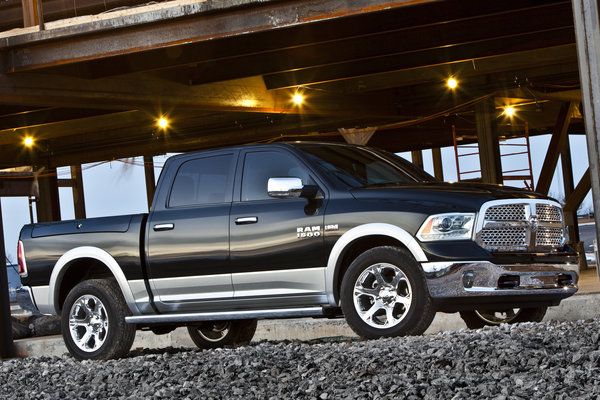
[[483, 279]]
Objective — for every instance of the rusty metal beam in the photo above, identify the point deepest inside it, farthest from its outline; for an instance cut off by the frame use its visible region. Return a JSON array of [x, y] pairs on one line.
[[557, 143]]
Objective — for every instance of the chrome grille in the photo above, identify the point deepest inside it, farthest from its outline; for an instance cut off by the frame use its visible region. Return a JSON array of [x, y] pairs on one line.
[[504, 237], [510, 225], [508, 212], [548, 212]]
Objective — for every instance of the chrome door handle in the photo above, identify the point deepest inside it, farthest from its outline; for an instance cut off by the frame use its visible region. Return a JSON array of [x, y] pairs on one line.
[[163, 227], [246, 220]]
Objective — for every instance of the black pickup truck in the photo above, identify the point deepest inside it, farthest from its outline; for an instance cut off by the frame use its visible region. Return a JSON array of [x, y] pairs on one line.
[[295, 230]]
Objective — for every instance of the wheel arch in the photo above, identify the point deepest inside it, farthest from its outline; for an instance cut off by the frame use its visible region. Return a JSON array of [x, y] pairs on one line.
[[358, 240], [83, 263]]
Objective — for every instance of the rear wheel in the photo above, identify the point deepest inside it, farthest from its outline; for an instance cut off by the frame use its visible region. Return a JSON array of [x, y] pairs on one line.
[[93, 321], [384, 294], [480, 318], [214, 334]]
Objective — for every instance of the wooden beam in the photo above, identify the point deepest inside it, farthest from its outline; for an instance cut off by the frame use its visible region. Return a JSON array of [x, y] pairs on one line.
[[581, 190], [150, 179], [47, 203], [78, 195], [557, 143], [487, 138], [438, 166], [569, 186], [417, 158]]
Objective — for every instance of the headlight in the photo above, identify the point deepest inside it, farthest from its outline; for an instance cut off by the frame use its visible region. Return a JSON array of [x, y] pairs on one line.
[[457, 226]]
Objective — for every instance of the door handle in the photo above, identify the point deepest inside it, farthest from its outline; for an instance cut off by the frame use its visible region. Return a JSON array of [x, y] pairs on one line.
[[163, 227], [246, 220]]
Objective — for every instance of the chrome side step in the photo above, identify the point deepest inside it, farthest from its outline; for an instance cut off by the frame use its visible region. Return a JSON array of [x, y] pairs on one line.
[[215, 316]]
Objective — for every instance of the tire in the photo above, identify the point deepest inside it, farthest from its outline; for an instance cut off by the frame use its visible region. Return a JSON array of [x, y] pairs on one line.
[[215, 334], [93, 321], [384, 294], [480, 318]]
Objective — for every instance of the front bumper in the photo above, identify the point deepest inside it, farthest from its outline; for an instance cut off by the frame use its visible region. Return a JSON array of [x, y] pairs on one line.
[[471, 285]]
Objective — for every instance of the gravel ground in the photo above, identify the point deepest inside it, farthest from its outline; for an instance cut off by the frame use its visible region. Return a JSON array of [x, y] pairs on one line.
[[526, 361]]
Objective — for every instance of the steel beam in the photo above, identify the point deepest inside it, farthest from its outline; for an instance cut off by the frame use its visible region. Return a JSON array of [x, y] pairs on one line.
[[557, 143], [487, 138]]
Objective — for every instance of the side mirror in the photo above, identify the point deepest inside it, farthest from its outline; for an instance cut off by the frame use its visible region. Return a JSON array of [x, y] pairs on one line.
[[284, 187]]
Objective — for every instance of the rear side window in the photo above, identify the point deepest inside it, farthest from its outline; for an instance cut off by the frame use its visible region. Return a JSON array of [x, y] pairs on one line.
[[203, 181]]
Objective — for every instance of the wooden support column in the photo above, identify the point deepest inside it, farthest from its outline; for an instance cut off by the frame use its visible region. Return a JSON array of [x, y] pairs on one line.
[[417, 158], [7, 349], [150, 179], [487, 138], [32, 13], [438, 166], [78, 197], [557, 143], [47, 203]]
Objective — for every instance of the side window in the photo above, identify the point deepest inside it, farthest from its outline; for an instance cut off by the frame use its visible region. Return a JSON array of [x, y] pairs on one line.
[[261, 165], [203, 181]]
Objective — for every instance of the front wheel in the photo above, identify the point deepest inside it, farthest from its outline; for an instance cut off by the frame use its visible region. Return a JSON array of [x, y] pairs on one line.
[[93, 321], [480, 318], [384, 294], [215, 334]]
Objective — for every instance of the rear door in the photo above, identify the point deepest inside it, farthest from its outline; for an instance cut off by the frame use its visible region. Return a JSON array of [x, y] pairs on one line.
[[277, 247], [188, 235]]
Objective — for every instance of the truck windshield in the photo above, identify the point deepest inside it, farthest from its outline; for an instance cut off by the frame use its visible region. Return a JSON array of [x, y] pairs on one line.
[[363, 167]]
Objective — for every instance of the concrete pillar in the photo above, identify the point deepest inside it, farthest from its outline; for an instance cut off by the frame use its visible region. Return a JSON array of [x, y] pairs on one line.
[[6, 340], [587, 32], [47, 203], [487, 138]]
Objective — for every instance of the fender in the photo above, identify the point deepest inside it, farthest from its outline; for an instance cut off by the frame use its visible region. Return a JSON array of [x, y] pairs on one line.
[[379, 229], [60, 269]]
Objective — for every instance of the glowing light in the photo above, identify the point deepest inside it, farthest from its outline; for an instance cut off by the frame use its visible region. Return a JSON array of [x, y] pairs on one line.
[[248, 103], [452, 83], [163, 122], [509, 111], [298, 98], [28, 141]]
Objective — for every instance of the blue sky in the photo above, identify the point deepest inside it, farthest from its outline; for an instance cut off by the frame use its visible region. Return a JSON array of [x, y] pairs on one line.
[[117, 188]]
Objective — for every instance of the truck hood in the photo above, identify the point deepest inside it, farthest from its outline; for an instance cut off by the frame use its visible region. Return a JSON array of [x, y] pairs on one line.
[[447, 197]]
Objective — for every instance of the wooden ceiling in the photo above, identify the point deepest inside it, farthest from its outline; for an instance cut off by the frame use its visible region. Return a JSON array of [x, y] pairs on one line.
[[223, 72]]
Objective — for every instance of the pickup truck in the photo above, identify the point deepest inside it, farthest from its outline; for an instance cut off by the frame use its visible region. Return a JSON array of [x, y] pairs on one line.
[[301, 229]]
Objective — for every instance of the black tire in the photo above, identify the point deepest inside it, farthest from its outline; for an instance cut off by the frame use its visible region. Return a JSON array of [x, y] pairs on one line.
[[109, 335], [480, 318], [215, 334], [402, 291]]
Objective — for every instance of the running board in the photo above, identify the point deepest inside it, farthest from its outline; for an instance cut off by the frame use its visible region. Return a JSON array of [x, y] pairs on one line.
[[215, 316]]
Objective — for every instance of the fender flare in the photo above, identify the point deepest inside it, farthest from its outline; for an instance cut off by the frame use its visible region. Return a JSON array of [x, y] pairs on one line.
[[61, 266], [373, 229]]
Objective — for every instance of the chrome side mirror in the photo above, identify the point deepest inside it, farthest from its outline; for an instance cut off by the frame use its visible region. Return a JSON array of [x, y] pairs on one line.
[[284, 187]]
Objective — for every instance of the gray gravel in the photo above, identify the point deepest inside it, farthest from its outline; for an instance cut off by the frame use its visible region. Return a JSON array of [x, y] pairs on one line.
[[540, 361]]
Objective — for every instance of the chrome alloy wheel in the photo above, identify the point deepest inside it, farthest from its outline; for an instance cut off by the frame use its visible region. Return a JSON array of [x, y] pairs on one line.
[[382, 295], [215, 331], [88, 323]]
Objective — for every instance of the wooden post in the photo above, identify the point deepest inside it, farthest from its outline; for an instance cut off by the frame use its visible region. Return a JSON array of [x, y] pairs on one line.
[[487, 138], [417, 158], [150, 184], [78, 196], [47, 204], [32, 13], [438, 166]]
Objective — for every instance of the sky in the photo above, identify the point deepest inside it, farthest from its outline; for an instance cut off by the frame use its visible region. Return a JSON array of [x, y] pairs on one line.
[[117, 187]]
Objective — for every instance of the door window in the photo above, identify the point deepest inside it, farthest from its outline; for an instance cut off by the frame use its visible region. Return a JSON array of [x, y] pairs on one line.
[[203, 181], [261, 165]]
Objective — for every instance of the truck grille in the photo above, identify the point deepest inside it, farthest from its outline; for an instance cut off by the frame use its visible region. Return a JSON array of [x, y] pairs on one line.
[[526, 225]]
